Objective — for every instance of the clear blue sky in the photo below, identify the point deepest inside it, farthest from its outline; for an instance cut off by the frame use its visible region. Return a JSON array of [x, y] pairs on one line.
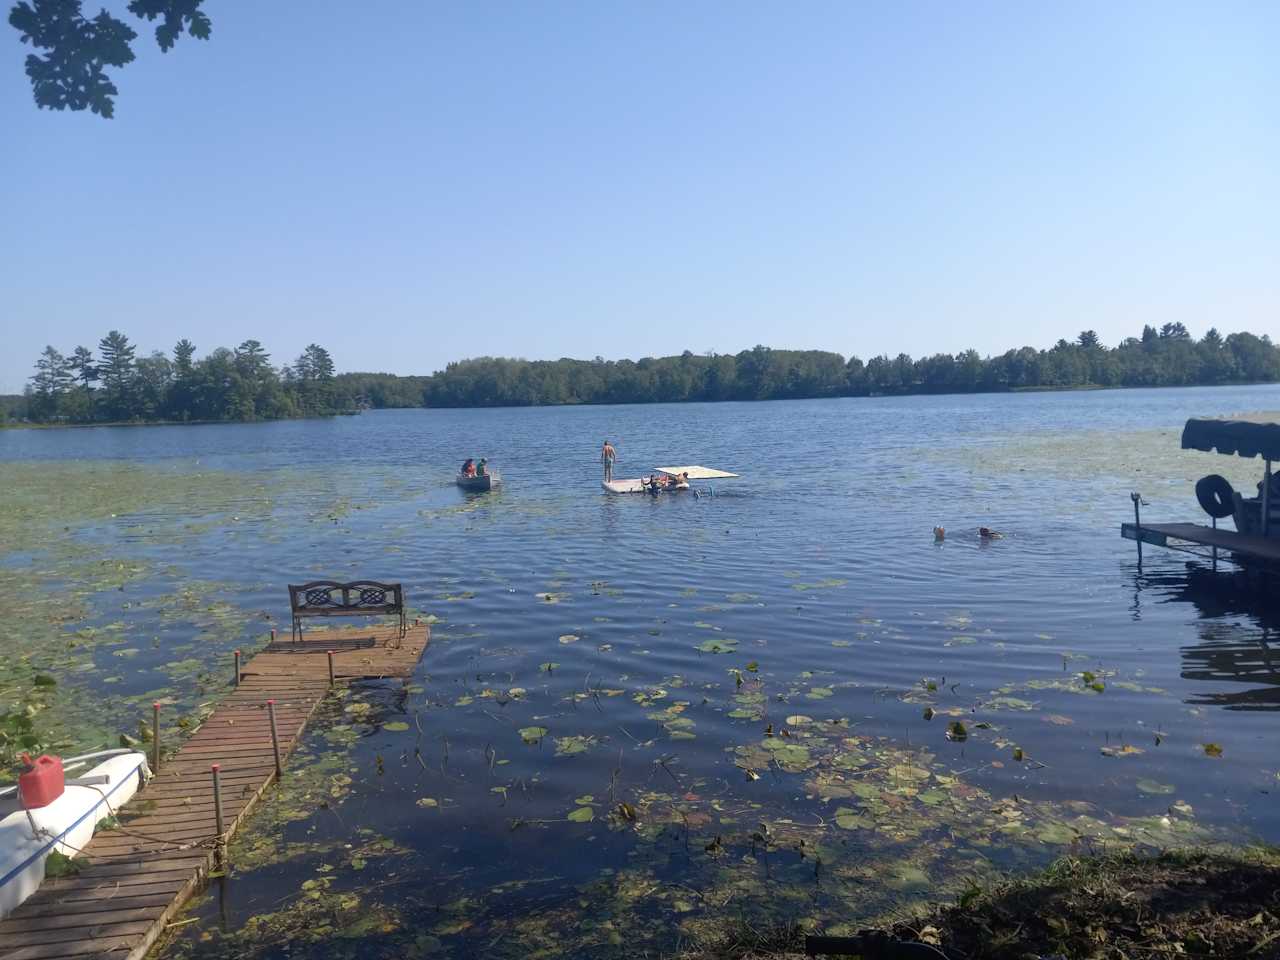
[[409, 183]]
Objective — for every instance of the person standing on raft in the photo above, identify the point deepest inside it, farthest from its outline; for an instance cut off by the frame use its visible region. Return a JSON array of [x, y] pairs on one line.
[[607, 456]]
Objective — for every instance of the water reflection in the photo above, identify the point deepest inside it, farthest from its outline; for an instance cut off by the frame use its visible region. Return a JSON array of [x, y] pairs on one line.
[[1239, 633]]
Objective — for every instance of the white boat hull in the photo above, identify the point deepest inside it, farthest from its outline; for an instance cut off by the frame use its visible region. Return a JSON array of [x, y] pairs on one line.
[[66, 825]]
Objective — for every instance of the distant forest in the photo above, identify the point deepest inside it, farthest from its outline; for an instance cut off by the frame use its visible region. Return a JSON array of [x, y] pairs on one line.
[[241, 384], [117, 386], [1159, 358]]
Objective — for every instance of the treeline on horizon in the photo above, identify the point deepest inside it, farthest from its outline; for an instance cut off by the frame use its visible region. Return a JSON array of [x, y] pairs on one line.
[[1159, 358], [241, 384], [118, 386]]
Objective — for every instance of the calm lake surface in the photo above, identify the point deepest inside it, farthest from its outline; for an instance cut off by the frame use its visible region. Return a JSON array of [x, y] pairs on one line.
[[638, 717]]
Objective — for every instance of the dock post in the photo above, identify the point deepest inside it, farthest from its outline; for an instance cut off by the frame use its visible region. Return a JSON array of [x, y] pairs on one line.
[[217, 808], [275, 737], [237, 668], [1137, 522], [155, 737], [330, 652], [1266, 500], [273, 636]]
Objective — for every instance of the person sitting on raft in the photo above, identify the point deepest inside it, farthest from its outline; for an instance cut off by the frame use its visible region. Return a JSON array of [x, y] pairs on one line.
[[469, 468]]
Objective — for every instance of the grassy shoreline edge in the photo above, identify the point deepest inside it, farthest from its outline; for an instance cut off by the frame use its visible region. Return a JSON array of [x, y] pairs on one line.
[[1197, 901]]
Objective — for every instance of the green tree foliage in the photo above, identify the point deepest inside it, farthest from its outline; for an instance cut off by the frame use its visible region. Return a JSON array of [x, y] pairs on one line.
[[381, 390], [235, 384], [71, 74], [241, 384], [1165, 357], [50, 384], [117, 372]]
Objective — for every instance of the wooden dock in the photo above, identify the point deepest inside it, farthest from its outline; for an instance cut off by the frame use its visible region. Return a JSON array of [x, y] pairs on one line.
[[141, 874], [1183, 535]]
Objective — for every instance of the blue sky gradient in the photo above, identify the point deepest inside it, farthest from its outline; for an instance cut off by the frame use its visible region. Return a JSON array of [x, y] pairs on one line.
[[409, 183]]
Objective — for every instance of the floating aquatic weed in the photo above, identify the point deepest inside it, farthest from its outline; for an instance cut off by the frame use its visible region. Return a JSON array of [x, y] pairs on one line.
[[1121, 750], [1146, 785], [569, 638], [717, 645], [582, 814], [1008, 703], [1212, 750], [569, 746], [532, 734], [395, 726]]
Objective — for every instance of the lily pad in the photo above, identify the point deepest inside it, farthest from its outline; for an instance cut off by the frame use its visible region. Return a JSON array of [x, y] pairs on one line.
[[717, 645], [569, 746], [532, 734], [582, 815], [847, 819]]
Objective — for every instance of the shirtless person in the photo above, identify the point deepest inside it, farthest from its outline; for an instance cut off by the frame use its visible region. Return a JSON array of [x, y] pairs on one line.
[[607, 456]]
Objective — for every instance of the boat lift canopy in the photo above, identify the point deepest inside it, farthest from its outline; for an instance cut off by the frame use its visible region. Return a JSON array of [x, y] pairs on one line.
[[696, 472], [1245, 438]]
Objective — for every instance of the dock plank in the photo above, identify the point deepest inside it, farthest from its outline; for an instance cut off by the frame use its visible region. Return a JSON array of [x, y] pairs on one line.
[[139, 876], [1243, 544]]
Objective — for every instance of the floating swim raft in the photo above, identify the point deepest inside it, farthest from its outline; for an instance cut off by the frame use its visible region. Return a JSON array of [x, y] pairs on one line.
[[695, 472]]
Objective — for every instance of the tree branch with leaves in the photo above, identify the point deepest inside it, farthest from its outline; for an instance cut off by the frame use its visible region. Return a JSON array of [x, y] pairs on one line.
[[71, 73]]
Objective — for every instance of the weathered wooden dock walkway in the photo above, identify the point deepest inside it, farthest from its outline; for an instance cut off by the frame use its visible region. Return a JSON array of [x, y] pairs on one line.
[[141, 874]]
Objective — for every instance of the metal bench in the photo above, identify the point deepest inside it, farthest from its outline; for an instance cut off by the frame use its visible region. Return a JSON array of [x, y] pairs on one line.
[[330, 598]]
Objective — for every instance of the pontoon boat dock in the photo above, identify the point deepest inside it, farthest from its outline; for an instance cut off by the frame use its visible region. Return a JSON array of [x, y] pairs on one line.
[[1256, 539]]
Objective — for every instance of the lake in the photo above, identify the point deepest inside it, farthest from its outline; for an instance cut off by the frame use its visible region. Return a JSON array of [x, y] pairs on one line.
[[641, 717]]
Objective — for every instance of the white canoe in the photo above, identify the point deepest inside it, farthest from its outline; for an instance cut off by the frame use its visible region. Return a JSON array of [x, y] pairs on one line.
[[66, 825]]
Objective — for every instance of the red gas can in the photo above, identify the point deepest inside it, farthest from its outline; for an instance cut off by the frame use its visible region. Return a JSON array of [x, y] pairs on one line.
[[41, 783]]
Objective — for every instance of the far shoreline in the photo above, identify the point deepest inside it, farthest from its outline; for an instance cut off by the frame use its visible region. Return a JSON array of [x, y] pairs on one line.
[[1082, 388]]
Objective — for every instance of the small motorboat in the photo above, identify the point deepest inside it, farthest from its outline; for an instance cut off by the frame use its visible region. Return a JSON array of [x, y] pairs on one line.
[[479, 483], [66, 824]]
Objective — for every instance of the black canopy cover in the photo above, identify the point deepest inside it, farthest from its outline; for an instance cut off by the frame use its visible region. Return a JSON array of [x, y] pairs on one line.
[[1245, 438]]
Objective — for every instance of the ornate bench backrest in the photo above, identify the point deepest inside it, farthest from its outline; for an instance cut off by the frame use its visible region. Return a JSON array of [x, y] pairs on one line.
[[337, 596]]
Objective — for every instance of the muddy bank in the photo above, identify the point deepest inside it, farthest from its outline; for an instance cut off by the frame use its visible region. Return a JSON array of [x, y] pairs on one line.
[[1175, 904]]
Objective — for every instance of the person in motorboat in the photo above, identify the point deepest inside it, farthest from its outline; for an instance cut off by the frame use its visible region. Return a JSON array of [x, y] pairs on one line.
[[469, 468], [482, 467]]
